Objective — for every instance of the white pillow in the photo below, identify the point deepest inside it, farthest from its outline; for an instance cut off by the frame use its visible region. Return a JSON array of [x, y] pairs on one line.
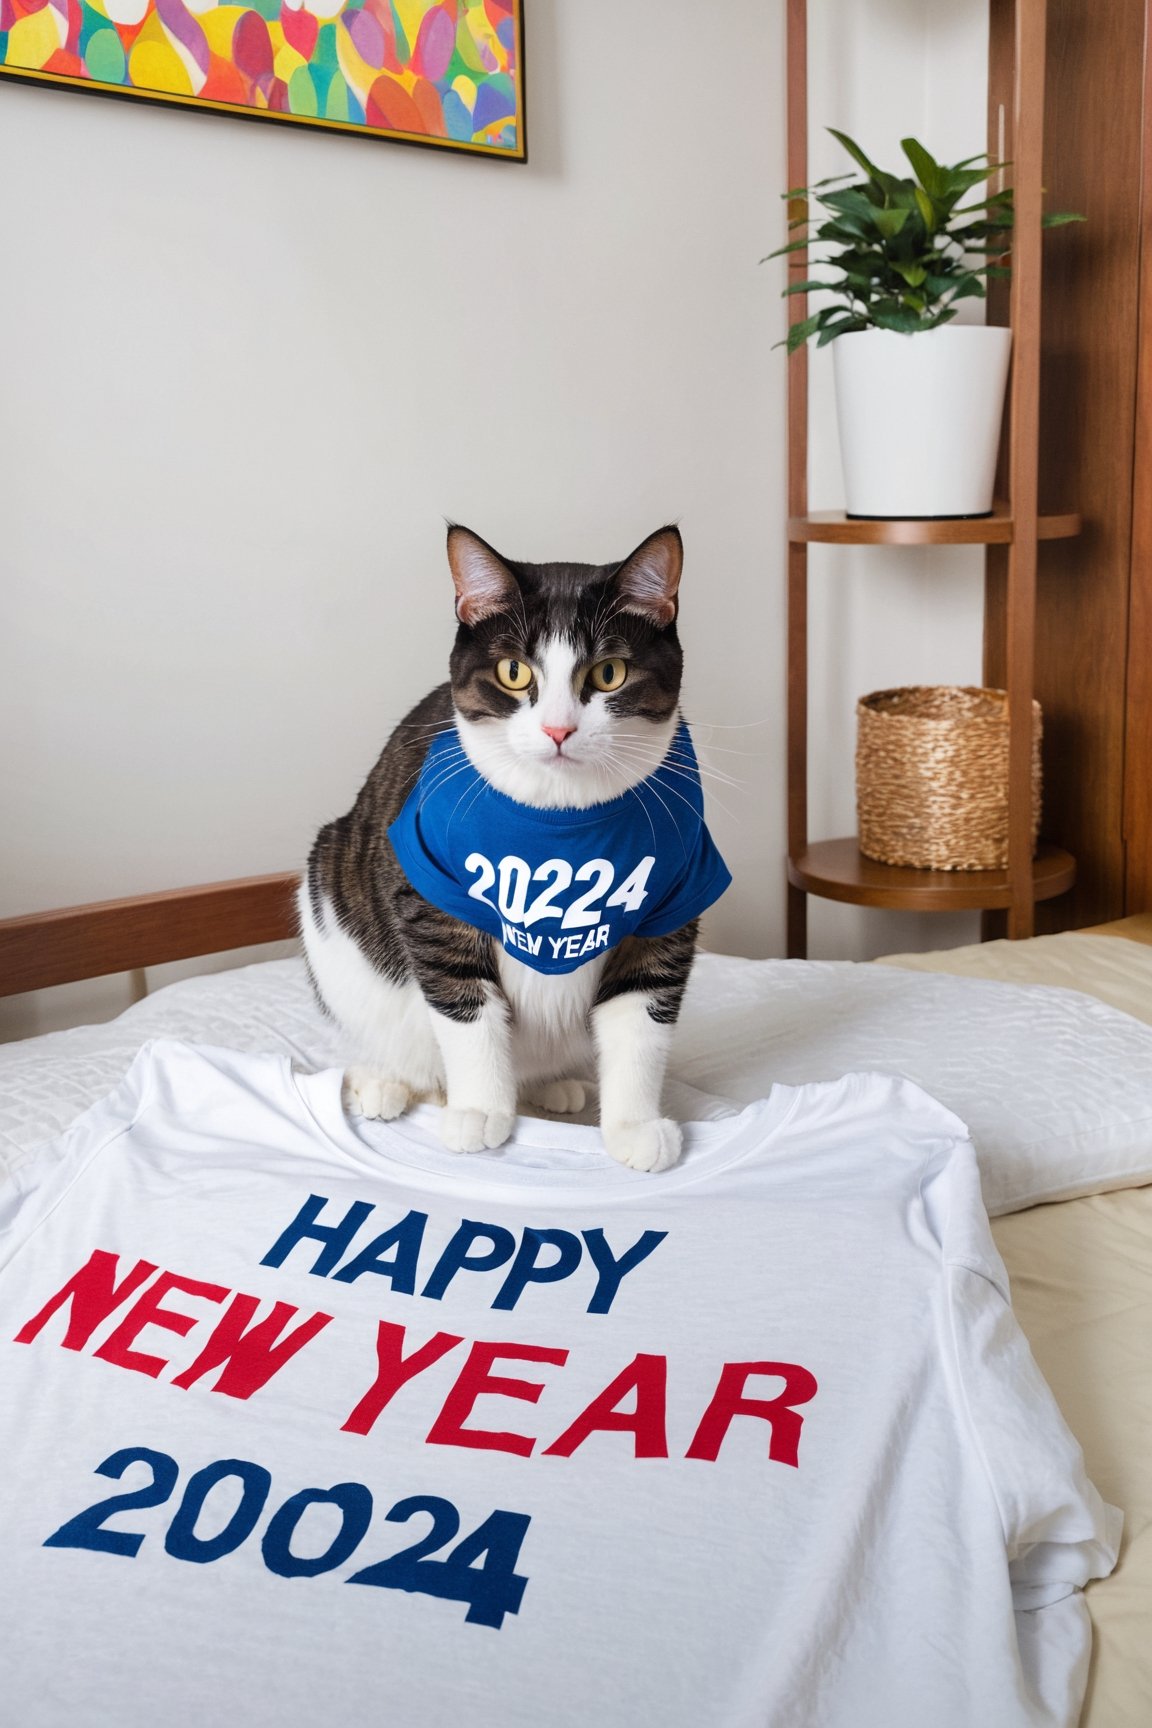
[[46, 1082], [1056, 1088]]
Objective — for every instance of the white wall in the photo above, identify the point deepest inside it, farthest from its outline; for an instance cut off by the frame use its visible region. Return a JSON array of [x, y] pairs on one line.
[[249, 371]]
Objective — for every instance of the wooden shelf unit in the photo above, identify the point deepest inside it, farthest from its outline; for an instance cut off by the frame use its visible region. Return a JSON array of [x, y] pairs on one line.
[[835, 869], [838, 870], [834, 528]]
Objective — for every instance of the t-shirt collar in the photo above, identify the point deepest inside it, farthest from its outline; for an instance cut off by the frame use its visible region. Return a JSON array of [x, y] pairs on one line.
[[564, 1161]]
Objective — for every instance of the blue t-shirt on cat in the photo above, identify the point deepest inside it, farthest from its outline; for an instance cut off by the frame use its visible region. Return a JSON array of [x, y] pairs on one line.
[[558, 887]]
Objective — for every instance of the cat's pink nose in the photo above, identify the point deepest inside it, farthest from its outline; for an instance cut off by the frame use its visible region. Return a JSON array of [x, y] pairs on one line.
[[558, 733]]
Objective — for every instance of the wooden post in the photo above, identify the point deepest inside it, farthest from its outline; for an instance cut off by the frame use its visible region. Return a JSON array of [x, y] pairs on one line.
[[1137, 819], [797, 629], [1027, 169], [1001, 131]]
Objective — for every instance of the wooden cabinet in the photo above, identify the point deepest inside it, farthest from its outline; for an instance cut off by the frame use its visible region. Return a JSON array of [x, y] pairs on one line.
[[835, 869]]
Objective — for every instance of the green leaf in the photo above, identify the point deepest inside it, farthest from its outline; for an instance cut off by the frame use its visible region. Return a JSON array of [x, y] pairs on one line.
[[902, 193], [997, 224], [800, 333], [812, 287], [796, 246], [1061, 219], [913, 274], [969, 288], [850, 201], [840, 328], [890, 222], [925, 167], [962, 180], [904, 323], [926, 208], [854, 151], [897, 193], [803, 191], [847, 230], [1004, 197], [940, 285]]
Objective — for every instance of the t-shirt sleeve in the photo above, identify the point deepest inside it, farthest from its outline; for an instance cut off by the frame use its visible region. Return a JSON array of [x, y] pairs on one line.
[[1058, 1532], [703, 880], [45, 1172]]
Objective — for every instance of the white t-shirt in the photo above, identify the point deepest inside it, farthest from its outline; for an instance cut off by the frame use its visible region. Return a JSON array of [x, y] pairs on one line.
[[755, 1442]]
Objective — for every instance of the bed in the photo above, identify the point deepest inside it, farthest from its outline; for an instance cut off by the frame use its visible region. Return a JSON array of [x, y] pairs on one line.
[[1081, 1276], [1081, 1268]]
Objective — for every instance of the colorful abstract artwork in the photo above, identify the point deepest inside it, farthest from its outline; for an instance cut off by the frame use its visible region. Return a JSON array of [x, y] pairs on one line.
[[447, 73]]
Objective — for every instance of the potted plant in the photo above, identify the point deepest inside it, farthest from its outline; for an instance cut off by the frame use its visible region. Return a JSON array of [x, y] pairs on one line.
[[919, 420]]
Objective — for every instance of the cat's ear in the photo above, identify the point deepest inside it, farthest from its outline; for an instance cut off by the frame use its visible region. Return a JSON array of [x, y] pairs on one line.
[[484, 583], [648, 580]]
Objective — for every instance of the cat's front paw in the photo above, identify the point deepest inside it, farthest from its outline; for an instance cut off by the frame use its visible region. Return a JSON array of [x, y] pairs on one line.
[[474, 1130], [561, 1097], [651, 1146], [367, 1093]]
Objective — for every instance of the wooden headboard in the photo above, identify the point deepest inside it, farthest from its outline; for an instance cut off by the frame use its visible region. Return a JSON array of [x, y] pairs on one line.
[[77, 942]]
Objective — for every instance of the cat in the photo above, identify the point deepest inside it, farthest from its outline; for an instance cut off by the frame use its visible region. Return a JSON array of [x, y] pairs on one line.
[[561, 713]]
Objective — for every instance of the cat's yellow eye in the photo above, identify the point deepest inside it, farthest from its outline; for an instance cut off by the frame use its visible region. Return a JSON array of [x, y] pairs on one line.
[[513, 675], [608, 674]]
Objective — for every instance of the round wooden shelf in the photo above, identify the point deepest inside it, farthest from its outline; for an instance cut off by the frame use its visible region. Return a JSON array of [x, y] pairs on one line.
[[834, 528], [837, 870]]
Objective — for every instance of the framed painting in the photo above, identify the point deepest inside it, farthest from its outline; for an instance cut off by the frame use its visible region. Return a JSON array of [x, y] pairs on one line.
[[447, 73]]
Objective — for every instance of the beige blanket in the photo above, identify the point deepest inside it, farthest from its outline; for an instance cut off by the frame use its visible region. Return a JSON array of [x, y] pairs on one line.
[[1081, 1278]]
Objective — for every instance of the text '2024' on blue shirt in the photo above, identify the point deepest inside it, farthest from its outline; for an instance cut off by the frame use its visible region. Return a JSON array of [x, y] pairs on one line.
[[558, 887]]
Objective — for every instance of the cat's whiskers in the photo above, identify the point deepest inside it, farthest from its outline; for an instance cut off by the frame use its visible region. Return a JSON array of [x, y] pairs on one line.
[[677, 794], [725, 726], [441, 778], [669, 812], [678, 753], [411, 779], [685, 764], [449, 761], [598, 617], [647, 816], [719, 802], [429, 738], [726, 749], [681, 762], [601, 623], [620, 762], [448, 756], [478, 791], [428, 743], [692, 758]]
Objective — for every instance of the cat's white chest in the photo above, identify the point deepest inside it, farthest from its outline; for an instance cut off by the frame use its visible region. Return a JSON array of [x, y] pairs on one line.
[[551, 1033]]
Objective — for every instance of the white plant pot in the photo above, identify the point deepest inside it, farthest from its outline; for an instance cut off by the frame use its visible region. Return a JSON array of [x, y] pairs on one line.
[[920, 418]]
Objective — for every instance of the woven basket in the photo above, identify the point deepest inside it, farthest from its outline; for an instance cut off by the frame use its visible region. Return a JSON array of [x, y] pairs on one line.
[[932, 777]]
